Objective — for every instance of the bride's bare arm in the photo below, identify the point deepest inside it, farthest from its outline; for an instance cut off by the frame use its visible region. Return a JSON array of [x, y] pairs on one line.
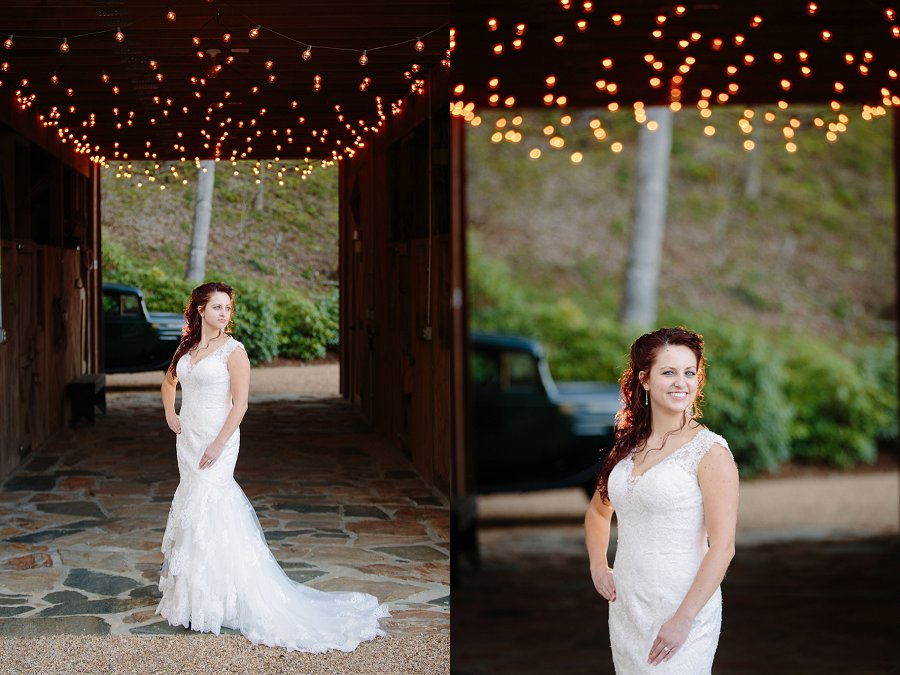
[[596, 537], [169, 384], [239, 371], [718, 478]]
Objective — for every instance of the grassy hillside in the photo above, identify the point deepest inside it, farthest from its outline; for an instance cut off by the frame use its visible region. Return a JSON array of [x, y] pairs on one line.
[[814, 252], [292, 241]]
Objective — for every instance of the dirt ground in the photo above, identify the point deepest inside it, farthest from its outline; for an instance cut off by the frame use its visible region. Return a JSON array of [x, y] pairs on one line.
[[313, 379]]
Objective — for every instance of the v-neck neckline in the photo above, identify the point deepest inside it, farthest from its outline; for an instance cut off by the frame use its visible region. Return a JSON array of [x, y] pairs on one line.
[[194, 363], [681, 447]]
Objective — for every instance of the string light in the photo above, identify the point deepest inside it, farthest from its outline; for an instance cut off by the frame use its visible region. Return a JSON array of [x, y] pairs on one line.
[[170, 16], [420, 46], [254, 32], [307, 53], [120, 36], [8, 42], [64, 47], [363, 59]]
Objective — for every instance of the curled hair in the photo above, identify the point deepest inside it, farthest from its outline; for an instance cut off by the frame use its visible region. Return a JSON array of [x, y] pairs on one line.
[[190, 334], [633, 419]]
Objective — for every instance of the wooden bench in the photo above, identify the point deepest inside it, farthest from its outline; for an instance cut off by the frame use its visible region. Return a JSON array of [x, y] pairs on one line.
[[86, 392]]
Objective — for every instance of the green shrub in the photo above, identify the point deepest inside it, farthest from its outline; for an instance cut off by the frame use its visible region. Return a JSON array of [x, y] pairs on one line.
[[878, 366], [836, 410], [254, 321], [745, 396], [306, 328], [330, 306]]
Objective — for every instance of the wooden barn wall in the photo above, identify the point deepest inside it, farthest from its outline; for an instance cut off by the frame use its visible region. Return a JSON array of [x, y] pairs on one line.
[[49, 283], [392, 194]]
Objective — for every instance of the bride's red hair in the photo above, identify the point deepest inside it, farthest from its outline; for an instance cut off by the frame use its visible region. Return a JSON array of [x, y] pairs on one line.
[[633, 418], [190, 334]]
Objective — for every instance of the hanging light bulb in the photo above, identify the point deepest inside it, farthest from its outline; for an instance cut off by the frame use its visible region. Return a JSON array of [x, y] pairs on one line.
[[363, 60], [420, 46], [64, 47], [195, 40], [226, 37], [8, 42], [170, 15], [254, 32], [54, 79], [307, 53], [120, 36]]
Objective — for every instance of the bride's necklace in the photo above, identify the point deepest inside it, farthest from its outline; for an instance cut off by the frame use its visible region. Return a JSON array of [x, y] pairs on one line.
[[206, 346]]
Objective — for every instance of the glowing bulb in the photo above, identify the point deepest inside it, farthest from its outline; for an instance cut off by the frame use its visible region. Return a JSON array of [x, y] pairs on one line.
[[226, 37], [254, 32], [307, 54], [195, 40], [363, 59], [8, 42], [64, 47], [269, 65], [812, 8], [170, 15], [54, 79], [120, 36], [420, 46]]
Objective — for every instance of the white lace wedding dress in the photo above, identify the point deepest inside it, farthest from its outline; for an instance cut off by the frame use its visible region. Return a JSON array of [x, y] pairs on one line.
[[661, 542], [218, 570]]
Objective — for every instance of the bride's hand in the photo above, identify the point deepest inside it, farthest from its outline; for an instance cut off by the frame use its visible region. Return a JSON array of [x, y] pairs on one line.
[[174, 422], [210, 455], [671, 636], [604, 583]]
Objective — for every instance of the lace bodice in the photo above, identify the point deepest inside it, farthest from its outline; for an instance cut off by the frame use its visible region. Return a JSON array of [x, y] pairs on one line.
[[661, 540], [206, 383]]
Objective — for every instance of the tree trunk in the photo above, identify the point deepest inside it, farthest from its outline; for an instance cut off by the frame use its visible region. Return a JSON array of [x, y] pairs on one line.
[[642, 276], [196, 266], [258, 201], [753, 177]]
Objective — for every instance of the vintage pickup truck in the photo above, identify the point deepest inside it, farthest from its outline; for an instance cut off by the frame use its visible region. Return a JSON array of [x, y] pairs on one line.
[[531, 432], [134, 339]]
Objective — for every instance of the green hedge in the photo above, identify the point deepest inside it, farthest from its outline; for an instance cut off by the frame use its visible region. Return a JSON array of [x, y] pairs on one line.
[[773, 397], [746, 400], [270, 322], [308, 329], [841, 405]]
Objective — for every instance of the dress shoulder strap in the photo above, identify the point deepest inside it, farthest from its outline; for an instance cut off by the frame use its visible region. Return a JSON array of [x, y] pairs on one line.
[[698, 447], [225, 351]]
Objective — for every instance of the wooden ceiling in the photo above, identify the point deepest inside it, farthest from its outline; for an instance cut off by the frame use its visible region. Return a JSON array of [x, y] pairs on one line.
[[752, 36], [152, 68]]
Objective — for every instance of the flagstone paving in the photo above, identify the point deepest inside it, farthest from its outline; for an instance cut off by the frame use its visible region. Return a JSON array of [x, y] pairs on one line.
[[81, 521]]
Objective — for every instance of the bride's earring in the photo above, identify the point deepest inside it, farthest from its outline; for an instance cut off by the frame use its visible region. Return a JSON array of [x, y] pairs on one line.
[[646, 398]]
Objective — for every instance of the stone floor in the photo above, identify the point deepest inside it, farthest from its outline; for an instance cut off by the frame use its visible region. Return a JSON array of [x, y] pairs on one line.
[[81, 521]]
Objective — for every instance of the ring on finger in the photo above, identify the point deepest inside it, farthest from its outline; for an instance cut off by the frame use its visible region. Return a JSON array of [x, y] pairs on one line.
[[666, 649]]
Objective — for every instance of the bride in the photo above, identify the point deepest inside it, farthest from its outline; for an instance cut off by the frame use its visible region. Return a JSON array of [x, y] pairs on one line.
[[218, 570]]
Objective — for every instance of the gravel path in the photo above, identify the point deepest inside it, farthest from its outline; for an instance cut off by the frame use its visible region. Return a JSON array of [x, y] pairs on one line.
[[427, 654], [832, 504], [312, 379]]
